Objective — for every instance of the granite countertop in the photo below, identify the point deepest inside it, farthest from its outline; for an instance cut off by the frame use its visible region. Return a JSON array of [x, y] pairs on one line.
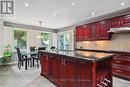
[[86, 55], [106, 51]]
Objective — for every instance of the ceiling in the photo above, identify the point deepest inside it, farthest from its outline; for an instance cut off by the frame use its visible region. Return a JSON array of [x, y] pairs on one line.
[[58, 14]]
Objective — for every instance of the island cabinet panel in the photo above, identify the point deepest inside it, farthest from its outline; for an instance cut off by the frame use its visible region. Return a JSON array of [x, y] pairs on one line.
[[68, 71], [44, 64], [56, 69], [84, 74]]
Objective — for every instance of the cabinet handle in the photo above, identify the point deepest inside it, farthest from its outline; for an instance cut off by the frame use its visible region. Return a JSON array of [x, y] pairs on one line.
[[46, 58], [118, 70], [118, 61], [64, 62]]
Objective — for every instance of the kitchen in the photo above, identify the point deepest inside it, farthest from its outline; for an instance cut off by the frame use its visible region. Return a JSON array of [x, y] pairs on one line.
[[91, 50]]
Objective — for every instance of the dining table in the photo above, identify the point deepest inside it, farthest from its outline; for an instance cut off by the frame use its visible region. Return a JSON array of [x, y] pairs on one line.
[[28, 55]]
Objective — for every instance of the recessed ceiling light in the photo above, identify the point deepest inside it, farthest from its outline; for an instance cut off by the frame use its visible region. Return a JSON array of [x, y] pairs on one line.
[[26, 4], [54, 14], [73, 3], [122, 4], [92, 13]]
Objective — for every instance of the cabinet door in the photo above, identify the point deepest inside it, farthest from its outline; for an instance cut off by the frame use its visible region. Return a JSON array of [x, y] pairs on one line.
[[69, 73], [87, 32], [104, 29], [45, 65], [58, 70], [98, 30], [126, 20], [79, 33], [115, 22], [84, 74], [93, 34], [51, 66]]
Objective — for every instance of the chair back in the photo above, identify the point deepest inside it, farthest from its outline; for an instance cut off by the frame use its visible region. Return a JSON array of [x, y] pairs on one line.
[[41, 48], [52, 47], [32, 48], [19, 53]]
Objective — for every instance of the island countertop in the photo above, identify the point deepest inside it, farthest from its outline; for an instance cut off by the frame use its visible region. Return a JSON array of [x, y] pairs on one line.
[[86, 55]]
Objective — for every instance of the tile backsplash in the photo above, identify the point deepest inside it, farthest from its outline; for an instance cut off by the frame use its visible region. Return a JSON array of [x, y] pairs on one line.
[[119, 42]]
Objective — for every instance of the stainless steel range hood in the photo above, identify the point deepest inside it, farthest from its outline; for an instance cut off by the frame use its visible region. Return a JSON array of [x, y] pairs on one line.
[[120, 30]]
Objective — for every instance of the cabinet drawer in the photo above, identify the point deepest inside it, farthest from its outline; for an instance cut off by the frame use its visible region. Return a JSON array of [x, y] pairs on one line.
[[122, 67], [122, 58], [122, 62], [121, 72]]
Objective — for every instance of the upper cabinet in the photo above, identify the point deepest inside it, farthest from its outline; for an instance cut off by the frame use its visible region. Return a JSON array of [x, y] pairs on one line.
[[115, 22], [99, 30], [93, 31], [120, 21], [126, 20], [79, 33]]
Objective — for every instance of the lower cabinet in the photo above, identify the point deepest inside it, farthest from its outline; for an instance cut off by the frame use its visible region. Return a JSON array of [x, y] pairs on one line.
[[66, 71], [121, 66], [44, 64], [69, 72], [84, 74]]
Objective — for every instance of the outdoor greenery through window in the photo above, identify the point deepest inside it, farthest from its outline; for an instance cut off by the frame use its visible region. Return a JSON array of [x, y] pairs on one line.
[[20, 39], [45, 40]]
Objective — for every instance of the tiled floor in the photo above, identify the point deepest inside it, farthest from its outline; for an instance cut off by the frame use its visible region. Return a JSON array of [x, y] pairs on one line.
[[13, 77]]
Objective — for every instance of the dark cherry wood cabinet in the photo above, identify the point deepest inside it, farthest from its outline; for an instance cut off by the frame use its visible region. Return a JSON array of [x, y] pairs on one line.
[[104, 30], [86, 32], [44, 62], [99, 30], [126, 20], [68, 71], [79, 33], [121, 65], [84, 74], [93, 31], [115, 22]]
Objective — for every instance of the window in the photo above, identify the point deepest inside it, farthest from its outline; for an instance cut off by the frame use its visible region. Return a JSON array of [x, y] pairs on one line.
[[20, 38], [64, 41], [45, 40]]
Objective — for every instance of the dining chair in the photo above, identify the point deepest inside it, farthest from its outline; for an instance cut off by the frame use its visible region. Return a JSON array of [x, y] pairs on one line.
[[22, 59], [36, 58], [41, 48], [33, 48]]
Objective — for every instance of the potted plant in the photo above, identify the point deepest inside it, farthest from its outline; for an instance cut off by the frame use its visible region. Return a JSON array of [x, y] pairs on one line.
[[6, 56]]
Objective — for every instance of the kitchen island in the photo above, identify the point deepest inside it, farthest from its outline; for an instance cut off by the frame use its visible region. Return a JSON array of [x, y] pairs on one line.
[[77, 68]]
